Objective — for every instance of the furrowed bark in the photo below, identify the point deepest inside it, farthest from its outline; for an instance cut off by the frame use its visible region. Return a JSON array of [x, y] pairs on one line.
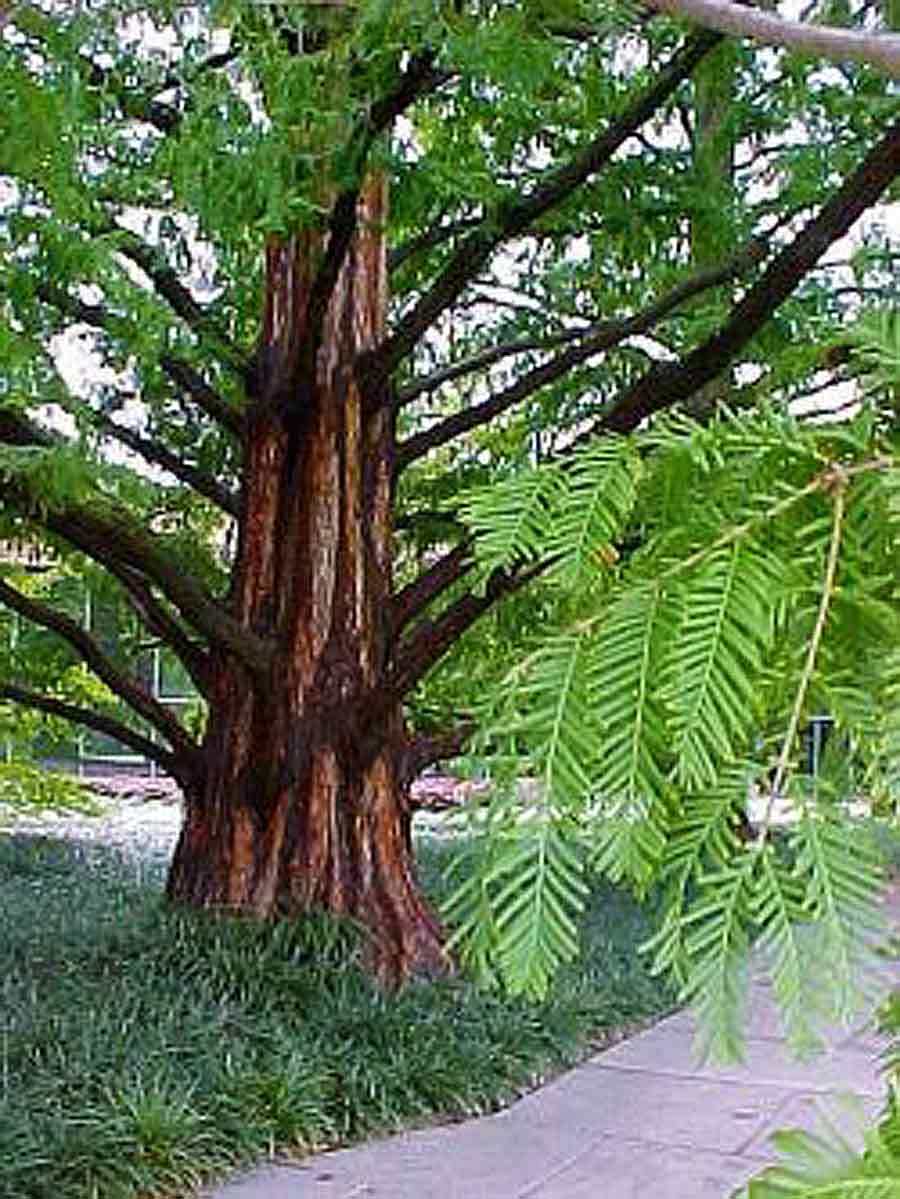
[[303, 802]]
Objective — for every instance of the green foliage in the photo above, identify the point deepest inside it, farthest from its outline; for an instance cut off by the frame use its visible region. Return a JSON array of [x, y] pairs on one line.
[[33, 790], [758, 585], [825, 1165]]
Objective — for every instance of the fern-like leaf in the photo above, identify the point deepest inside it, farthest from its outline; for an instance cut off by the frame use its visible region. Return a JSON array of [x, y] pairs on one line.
[[591, 510], [824, 1165], [511, 519], [717, 939], [629, 816], [540, 895], [631, 714], [556, 719], [842, 875], [701, 841], [515, 914], [715, 662], [782, 917]]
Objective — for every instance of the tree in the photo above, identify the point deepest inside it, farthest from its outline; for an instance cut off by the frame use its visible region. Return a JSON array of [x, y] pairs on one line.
[[334, 263]]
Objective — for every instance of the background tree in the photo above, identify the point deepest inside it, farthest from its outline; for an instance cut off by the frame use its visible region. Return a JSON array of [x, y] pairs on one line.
[[336, 266]]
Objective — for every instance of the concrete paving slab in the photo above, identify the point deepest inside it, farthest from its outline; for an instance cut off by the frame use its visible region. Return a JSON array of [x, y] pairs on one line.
[[637, 1169], [639, 1119], [719, 1115], [488, 1158], [658, 1051]]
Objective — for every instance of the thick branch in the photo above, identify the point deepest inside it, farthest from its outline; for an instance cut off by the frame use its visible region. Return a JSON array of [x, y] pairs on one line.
[[514, 217], [112, 539], [89, 650], [417, 595], [599, 337], [880, 50], [421, 752], [204, 484], [672, 383], [204, 396], [427, 643], [170, 762]]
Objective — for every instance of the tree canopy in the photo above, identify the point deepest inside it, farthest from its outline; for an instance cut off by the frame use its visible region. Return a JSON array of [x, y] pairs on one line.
[[297, 298]]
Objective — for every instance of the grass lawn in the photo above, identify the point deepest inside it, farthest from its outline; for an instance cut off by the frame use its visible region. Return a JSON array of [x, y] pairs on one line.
[[143, 1051]]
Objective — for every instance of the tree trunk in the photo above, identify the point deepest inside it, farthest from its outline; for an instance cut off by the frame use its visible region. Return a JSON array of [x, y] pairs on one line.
[[303, 802]]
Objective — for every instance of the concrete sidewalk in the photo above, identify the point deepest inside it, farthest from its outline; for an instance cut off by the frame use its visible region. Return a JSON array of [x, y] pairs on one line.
[[639, 1119]]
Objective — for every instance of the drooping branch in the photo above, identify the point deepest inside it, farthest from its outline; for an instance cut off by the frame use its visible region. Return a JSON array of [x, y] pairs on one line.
[[880, 50], [96, 659], [513, 217], [673, 383], [152, 451], [113, 540], [594, 340], [170, 762]]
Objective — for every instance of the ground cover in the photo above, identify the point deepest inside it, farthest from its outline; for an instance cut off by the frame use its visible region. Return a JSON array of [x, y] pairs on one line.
[[142, 1051]]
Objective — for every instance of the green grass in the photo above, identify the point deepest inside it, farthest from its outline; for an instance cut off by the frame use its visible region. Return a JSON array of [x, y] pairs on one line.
[[142, 1051]]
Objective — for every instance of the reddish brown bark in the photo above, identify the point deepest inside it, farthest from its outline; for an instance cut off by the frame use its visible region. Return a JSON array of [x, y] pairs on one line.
[[303, 800]]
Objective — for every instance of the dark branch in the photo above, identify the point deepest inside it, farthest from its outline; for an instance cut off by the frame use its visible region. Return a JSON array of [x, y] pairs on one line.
[[429, 240], [421, 752], [16, 429], [170, 762], [169, 287], [180, 372], [672, 383], [427, 643], [417, 595], [205, 397], [163, 117], [204, 484], [615, 330], [594, 340], [113, 539], [514, 217], [89, 650]]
